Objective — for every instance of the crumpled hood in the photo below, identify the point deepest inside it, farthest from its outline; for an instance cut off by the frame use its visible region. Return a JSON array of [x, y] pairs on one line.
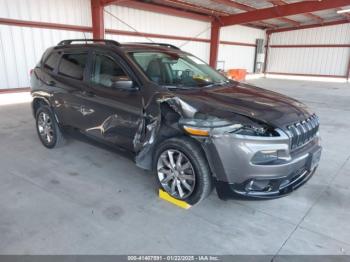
[[238, 98]]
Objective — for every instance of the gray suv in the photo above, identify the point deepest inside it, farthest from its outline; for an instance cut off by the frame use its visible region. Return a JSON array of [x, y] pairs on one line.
[[192, 126]]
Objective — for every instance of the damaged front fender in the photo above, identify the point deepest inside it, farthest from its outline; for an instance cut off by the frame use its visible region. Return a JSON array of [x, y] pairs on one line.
[[160, 121]]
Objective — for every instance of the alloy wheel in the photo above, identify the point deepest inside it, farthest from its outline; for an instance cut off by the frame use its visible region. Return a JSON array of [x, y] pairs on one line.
[[176, 173], [45, 127]]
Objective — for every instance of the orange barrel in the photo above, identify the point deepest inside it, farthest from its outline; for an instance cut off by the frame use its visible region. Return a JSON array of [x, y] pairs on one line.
[[237, 74]]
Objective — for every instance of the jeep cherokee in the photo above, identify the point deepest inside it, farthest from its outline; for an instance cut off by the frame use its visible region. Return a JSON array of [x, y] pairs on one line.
[[192, 126]]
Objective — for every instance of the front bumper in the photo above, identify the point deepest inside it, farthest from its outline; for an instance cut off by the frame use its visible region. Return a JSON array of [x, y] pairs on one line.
[[230, 158]]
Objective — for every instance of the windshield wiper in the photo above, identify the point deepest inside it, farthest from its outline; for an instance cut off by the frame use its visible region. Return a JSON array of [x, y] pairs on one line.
[[179, 87], [216, 84], [209, 84]]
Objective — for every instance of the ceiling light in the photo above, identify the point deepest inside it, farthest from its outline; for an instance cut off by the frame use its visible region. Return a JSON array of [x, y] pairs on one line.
[[343, 11]]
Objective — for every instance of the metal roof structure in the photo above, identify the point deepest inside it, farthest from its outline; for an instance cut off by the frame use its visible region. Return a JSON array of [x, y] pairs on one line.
[[311, 12], [271, 15]]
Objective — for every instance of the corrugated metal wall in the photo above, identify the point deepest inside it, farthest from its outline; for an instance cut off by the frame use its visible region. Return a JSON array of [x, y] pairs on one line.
[[22, 47], [73, 12], [149, 22], [234, 56], [239, 56], [332, 61]]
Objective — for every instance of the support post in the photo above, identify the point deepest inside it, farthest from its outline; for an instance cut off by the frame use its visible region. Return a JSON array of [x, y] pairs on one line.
[[98, 30], [267, 51], [214, 43], [349, 69]]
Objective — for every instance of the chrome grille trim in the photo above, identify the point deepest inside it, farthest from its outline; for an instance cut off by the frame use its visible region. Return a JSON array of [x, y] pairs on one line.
[[302, 132]]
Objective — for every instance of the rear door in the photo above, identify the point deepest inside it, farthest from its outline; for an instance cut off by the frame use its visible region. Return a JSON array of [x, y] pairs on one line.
[[112, 106], [71, 84]]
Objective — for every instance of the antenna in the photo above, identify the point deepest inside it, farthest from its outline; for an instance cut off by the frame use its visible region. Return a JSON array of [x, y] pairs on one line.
[[85, 37]]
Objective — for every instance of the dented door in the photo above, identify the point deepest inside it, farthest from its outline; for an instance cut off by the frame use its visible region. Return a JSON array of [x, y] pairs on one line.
[[110, 113]]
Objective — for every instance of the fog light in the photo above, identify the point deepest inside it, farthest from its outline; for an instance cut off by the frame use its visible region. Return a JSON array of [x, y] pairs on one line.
[[258, 185], [265, 157]]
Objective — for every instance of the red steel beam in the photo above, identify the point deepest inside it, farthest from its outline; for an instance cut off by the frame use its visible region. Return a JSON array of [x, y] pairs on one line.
[[46, 25], [345, 15], [188, 7], [336, 22], [309, 15], [76, 28], [214, 44], [249, 8], [15, 90], [244, 8], [265, 24], [151, 35], [173, 37], [192, 7], [237, 43], [235, 5], [110, 2], [164, 10], [314, 17], [283, 10], [98, 29], [289, 21], [257, 26]]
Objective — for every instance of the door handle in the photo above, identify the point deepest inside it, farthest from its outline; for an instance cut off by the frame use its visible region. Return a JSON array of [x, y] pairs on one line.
[[51, 83], [88, 93], [86, 111]]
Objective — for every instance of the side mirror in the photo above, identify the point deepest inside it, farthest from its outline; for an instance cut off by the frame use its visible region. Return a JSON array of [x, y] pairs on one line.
[[124, 83]]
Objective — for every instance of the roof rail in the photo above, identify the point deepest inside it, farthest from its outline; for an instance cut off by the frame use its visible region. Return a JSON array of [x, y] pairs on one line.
[[70, 41], [159, 44]]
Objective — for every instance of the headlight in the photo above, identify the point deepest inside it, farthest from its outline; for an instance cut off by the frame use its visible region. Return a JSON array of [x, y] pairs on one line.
[[216, 126]]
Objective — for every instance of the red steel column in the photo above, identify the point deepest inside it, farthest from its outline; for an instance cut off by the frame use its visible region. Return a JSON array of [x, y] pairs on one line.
[[98, 29], [214, 43]]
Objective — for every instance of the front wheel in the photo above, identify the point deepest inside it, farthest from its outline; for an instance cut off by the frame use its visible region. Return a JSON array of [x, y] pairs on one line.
[[182, 170]]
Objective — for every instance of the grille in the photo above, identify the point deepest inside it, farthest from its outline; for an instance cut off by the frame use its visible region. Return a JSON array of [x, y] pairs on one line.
[[303, 132]]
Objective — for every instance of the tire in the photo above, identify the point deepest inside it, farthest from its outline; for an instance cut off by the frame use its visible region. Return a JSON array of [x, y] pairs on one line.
[[199, 186], [47, 128]]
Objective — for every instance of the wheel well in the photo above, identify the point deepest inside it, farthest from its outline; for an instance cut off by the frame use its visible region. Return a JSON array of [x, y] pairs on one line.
[[168, 129], [37, 102]]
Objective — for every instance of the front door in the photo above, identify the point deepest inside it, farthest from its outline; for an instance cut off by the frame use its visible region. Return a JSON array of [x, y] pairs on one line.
[[112, 107]]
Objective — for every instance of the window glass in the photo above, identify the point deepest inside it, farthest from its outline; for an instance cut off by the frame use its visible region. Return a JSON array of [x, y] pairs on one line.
[[73, 65], [173, 69], [51, 61], [106, 71]]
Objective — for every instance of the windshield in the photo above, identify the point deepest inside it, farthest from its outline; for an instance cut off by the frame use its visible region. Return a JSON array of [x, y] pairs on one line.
[[177, 70]]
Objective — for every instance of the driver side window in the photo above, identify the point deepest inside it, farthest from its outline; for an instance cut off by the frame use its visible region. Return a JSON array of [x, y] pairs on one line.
[[107, 72]]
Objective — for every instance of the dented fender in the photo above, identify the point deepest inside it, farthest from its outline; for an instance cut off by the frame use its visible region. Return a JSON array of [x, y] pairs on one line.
[[156, 126]]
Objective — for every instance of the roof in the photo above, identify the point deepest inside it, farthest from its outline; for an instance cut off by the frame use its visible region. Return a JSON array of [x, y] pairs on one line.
[[81, 43], [220, 9]]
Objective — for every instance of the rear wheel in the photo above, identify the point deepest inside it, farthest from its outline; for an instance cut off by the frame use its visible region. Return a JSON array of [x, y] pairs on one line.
[[182, 170], [47, 127]]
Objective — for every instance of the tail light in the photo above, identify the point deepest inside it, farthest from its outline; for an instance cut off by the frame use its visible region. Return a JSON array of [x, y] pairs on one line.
[[31, 72]]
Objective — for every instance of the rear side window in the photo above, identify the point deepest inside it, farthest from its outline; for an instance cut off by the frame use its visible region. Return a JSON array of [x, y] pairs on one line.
[[51, 62], [73, 65]]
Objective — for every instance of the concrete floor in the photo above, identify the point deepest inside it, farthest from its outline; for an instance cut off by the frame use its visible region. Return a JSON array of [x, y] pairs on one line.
[[82, 199]]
